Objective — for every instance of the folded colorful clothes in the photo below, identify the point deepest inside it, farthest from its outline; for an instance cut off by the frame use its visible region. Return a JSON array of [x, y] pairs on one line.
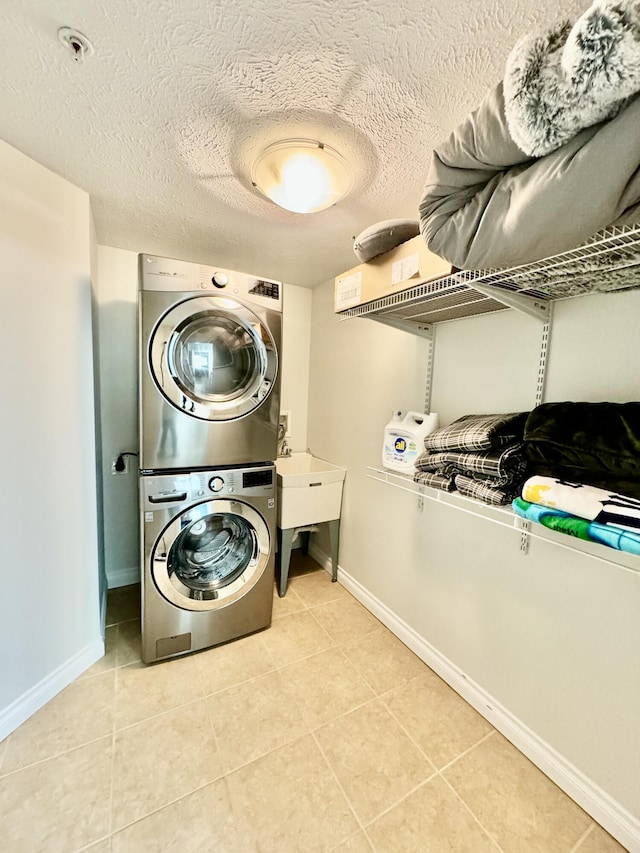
[[502, 466], [584, 501], [483, 491], [435, 481], [478, 432], [601, 480], [591, 531]]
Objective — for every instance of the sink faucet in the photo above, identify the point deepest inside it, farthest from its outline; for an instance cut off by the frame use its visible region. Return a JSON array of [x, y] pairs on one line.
[[283, 446]]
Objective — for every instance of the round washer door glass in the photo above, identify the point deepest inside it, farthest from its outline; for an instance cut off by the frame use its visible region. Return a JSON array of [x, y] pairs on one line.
[[210, 553], [213, 358]]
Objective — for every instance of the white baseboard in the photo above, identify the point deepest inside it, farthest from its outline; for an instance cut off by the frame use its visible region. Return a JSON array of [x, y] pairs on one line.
[[123, 577], [26, 705], [620, 823]]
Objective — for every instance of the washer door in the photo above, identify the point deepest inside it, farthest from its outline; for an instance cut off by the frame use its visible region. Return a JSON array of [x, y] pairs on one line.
[[210, 554], [213, 358]]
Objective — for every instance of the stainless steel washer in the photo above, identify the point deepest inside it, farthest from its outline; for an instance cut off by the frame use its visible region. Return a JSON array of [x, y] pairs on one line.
[[208, 550], [209, 366]]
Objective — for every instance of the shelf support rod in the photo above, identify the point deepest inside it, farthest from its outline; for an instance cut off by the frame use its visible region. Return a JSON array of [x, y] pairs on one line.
[[429, 377], [424, 330], [544, 355], [536, 308]]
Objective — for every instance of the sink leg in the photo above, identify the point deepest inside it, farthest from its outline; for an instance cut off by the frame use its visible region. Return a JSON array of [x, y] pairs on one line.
[[285, 540], [334, 536]]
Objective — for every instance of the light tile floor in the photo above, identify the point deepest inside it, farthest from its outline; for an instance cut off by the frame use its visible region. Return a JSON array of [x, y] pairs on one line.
[[323, 732]]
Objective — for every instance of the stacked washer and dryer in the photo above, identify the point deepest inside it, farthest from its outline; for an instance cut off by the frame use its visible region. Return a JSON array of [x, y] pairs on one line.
[[209, 396]]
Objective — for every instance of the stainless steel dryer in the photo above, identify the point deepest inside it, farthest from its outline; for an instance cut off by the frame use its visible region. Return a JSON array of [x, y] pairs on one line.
[[208, 550], [209, 376]]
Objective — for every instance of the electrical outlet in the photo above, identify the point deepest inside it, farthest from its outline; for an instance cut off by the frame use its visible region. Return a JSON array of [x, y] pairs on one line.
[[124, 463], [285, 418]]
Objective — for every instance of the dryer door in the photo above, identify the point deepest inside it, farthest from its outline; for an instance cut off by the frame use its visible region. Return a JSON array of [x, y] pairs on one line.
[[211, 554], [213, 358]]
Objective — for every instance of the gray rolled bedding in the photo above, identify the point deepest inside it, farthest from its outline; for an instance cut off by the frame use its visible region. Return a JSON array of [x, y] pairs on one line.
[[487, 204], [572, 107]]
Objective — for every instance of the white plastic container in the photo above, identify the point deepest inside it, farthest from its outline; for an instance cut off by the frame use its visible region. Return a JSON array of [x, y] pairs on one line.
[[404, 440]]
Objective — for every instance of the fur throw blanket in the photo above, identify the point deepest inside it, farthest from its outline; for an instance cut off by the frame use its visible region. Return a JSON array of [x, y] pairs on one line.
[[573, 77]]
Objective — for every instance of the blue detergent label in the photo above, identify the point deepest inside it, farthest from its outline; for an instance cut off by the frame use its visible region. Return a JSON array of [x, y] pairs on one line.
[[401, 450]]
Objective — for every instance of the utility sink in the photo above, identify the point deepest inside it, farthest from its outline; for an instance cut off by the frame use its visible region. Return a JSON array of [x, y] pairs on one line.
[[309, 490]]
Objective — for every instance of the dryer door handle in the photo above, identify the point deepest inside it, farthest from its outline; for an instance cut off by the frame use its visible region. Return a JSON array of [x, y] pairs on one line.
[[170, 498]]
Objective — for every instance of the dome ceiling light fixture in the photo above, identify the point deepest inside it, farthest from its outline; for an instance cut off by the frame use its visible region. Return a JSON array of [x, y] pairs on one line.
[[302, 175]]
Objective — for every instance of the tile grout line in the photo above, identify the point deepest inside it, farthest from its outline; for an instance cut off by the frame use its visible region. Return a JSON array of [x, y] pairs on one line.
[[583, 837], [470, 810], [466, 751], [438, 770], [341, 789]]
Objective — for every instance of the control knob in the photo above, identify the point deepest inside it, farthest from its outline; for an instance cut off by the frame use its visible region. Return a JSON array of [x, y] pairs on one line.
[[216, 484], [219, 279]]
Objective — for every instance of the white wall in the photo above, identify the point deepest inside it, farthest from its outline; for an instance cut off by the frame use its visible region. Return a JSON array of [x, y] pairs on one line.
[[117, 294], [551, 636], [49, 607]]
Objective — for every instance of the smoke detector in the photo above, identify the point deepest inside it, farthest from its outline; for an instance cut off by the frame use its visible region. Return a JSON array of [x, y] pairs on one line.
[[77, 44]]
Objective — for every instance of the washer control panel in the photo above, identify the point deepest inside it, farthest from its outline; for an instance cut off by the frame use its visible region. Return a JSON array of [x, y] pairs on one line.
[[216, 484]]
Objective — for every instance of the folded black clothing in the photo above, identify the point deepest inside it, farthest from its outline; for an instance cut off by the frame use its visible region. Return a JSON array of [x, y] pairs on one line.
[[435, 481], [504, 465], [601, 480], [484, 491], [585, 437], [478, 432]]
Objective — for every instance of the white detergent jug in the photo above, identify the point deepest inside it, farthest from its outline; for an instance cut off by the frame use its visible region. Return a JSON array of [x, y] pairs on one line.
[[404, 439]]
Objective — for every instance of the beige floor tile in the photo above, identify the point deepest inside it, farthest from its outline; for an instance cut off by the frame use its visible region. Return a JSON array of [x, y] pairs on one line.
[[3, 747], [345, 619], [599, 841], [108, 660], [292, 799], [60, 805], [232, 663], [317, 588], [290, 603], [439, 721], [373, 758], [128, 648], [63, 723], [356, 844], [203, 822], [123, 604], [160, 760], [430, 820], [382, 660], [144, 691], [254, 718], [294, 637], [517, 804], [325, 686]]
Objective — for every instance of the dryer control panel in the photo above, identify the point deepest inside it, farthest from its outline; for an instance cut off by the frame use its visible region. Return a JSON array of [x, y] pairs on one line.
[[168, 274]]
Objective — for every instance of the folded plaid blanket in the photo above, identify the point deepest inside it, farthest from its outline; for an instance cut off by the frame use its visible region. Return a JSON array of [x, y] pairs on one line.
[[592, 531], [483, 491], [435, 481], [478, 432], [502, 466]]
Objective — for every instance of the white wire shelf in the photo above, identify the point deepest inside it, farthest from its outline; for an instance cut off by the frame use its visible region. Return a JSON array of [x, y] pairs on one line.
[[506, 518], [607, 262]]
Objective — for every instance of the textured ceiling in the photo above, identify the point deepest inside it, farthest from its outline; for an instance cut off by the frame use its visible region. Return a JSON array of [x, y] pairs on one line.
[[161, 125]]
